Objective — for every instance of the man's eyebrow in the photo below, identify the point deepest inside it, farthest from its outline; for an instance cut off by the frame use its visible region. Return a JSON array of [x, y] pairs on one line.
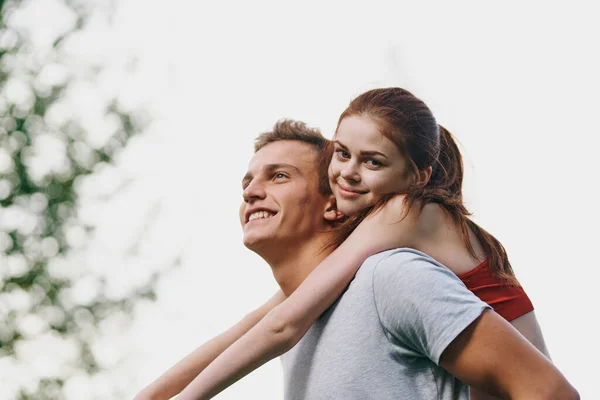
[[273, 167], [363, 152], [269, 169], [247, 178]]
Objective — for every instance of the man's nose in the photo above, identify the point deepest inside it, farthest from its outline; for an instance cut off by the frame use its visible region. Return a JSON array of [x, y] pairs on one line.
[[350, 172], [254, 191]]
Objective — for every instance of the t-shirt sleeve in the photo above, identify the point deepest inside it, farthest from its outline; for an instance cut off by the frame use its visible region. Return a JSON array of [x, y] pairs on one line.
[[421, 303]]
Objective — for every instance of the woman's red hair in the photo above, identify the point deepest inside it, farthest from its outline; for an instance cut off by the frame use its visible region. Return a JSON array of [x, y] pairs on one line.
[[408, 122]]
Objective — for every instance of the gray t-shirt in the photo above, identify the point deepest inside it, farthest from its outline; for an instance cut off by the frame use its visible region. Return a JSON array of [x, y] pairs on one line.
[[383, 338]]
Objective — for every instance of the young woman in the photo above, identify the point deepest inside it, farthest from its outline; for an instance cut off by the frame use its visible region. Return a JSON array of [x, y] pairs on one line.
[[387, 142]]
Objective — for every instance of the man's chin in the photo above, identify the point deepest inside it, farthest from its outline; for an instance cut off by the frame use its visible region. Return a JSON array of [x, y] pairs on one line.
[[255, 242]]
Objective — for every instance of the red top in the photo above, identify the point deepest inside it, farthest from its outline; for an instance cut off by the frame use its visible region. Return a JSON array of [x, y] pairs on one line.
[[509, 301]]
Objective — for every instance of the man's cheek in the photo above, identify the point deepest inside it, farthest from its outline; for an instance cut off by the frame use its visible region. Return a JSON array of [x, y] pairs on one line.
[[241, 214]]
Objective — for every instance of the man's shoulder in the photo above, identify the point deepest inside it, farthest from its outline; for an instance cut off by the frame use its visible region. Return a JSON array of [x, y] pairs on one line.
[[400, 256], [405, 264]]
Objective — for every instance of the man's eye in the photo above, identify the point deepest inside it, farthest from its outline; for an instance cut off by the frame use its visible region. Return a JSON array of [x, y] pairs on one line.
[[280, 175]]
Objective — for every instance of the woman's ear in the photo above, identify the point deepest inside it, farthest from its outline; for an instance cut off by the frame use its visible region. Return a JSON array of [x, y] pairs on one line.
[[423, 176], [332, 214]]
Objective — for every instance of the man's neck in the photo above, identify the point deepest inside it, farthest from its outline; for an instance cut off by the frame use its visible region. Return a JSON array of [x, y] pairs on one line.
[[293, 265]]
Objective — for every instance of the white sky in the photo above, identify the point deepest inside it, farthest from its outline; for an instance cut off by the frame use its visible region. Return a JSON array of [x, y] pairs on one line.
[[516, 83]]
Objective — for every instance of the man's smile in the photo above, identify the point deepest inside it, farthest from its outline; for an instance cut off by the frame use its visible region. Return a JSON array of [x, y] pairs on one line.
[[258, 213]]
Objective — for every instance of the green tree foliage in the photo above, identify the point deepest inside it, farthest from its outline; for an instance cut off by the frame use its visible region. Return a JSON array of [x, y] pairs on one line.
[[39, 223]]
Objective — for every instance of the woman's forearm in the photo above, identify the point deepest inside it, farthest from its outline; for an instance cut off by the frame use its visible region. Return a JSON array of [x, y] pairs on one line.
[[181, 374], [278, 331], [285, 325], [265, 341]]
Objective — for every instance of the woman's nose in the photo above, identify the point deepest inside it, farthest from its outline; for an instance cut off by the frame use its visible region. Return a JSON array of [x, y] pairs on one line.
[[350, 172]]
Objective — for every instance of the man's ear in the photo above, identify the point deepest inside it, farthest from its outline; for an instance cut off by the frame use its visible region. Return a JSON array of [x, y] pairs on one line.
[[332, 214], [423, 176]]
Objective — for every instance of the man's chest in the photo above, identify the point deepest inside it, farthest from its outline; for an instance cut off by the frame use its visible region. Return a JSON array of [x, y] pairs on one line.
[[345, 351]]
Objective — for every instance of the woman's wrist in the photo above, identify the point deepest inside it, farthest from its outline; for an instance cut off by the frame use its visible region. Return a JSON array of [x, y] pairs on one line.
[[149, 393]]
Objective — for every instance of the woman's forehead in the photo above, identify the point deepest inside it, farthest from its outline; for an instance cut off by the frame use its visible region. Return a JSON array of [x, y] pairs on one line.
[[362, 132]]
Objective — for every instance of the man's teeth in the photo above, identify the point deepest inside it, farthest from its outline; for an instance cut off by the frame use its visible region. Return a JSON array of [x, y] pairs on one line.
[[260, 214]]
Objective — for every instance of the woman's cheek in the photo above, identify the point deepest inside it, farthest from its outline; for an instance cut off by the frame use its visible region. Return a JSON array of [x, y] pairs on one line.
[[376, 182], [333, 170]]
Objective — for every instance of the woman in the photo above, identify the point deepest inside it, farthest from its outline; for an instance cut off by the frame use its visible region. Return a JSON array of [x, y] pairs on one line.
[[388, 143]]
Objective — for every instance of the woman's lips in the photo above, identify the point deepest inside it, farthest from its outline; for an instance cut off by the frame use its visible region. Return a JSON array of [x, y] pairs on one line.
[[348, 192]]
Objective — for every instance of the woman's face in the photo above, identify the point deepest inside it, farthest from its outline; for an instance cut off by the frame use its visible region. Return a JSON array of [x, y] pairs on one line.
[[365, 165]]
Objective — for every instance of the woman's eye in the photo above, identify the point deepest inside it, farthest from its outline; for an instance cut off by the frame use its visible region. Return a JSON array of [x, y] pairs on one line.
[[372, 162], [342, 153]]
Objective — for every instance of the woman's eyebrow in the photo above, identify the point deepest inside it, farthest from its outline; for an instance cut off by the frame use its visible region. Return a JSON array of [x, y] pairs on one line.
[[362, 152], [372, 153], [340, 143]]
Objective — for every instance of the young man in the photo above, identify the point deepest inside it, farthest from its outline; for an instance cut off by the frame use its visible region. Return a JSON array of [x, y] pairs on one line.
[[303, 230], [403, 326]]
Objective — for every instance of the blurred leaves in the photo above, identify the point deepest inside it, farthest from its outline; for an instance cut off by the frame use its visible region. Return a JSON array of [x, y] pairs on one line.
[[39, 223]]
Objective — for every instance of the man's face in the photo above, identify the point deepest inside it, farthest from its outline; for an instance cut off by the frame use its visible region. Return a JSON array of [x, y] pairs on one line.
[[281, 201]]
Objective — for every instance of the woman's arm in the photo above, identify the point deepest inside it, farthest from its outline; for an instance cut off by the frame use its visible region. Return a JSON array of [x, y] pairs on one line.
[[285, 325], [181, 374], [528, 326]]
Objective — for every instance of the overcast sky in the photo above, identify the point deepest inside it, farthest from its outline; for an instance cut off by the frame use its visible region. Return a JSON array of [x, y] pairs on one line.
[[516, 83]]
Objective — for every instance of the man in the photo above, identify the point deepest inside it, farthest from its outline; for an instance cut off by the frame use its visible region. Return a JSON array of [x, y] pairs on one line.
[[402, 329]]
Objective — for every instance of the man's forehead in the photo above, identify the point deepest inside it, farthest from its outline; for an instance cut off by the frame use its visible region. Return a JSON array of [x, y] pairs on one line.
[[285, 152]]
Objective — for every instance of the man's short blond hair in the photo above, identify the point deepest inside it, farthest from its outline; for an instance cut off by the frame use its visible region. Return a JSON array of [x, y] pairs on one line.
[[288, 129]]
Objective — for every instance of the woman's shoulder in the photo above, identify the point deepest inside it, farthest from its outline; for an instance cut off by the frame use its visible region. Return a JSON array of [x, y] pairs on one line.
[[428, 217], [431, 218], [507, 299]]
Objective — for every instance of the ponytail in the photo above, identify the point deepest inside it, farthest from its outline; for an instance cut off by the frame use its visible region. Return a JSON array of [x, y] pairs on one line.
[[445, 188]]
